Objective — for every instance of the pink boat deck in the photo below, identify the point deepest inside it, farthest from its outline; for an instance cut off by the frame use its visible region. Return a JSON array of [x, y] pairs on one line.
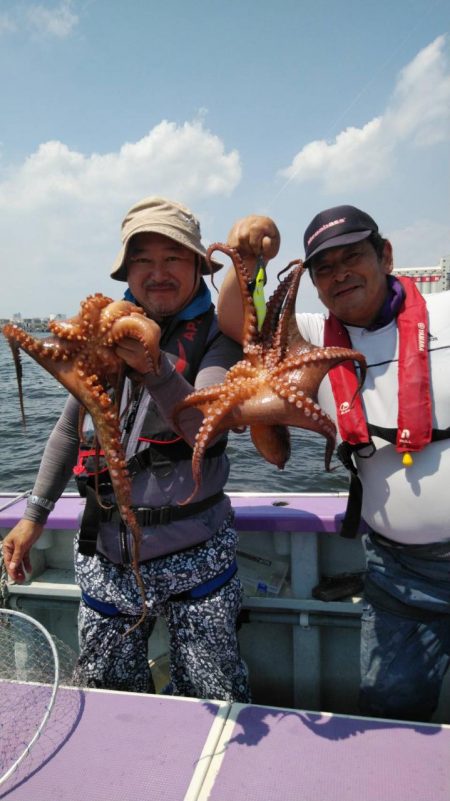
[[105, 746]]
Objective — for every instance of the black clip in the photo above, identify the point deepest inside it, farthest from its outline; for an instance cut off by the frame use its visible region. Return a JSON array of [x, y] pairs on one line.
[[154, 515]]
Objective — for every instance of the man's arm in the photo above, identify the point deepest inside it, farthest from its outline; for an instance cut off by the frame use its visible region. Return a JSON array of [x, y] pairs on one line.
[[252, 236]]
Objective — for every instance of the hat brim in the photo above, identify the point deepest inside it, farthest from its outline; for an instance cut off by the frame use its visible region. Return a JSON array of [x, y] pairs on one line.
[[119, 271], [339, 241]]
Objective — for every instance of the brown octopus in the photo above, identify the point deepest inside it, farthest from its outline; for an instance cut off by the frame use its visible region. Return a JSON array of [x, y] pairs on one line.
[[275, 385], [80, 355]]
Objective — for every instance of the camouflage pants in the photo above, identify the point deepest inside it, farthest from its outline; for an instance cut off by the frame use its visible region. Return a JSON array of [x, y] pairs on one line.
[[204, 652]]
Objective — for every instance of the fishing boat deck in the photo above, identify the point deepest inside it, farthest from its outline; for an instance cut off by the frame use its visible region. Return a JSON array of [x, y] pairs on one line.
[[108, 746]]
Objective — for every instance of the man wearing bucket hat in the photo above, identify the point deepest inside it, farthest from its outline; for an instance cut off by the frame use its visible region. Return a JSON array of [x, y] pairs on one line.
[[394, 440], [188, 552]]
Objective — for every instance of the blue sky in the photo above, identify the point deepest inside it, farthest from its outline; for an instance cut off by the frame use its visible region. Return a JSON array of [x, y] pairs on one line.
[[233, 107]]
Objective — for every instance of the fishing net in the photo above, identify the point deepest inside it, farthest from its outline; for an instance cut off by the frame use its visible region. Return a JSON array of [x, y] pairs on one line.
[[32, 665]]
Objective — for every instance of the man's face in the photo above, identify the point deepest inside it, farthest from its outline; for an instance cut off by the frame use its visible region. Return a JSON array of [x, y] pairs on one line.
[[351, 281], [161, 274]]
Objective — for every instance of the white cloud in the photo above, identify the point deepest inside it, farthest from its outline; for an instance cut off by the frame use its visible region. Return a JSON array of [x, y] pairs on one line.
[[418, 114], [60, 210], [186, 159], [58, 21]]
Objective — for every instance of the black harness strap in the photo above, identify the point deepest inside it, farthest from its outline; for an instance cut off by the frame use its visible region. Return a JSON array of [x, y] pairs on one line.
[[146, 516], [352, 517], [87, 538], [162, 515], [390, 434]]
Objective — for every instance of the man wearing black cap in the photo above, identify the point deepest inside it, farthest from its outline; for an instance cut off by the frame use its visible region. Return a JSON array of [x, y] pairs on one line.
[[395, 440], [358, 300], [187, 552]]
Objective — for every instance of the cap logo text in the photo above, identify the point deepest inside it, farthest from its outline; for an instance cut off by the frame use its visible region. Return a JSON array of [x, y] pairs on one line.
[[324, 228]]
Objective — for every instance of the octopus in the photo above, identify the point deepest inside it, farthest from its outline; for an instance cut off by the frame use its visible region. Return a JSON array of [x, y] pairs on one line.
[[80, 355], [275, 385]]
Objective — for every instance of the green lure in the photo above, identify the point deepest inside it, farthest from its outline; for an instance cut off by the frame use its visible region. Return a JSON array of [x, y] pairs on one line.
[[257, 286]]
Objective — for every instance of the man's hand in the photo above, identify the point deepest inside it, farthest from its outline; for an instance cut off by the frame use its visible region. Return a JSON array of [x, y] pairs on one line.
[[252, 236], [140, 358], [16, 548], [255, 236]]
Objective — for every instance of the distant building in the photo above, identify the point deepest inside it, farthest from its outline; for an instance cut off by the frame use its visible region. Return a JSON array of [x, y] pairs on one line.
[[37, 324], [429, 279]]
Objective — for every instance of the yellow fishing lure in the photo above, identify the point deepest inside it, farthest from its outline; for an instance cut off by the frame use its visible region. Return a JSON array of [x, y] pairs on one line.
[[258, 291]]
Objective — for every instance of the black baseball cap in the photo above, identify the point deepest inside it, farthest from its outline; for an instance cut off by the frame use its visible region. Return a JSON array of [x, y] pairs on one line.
[[340, 225]]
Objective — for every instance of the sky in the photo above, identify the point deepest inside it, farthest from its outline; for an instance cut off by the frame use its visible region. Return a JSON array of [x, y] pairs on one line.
[[232, 107]]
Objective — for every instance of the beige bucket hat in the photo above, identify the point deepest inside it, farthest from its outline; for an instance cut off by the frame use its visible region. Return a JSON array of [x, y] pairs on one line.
[[161, 216]]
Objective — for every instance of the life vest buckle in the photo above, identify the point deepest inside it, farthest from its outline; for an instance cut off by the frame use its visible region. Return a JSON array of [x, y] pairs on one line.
[[154, 515]]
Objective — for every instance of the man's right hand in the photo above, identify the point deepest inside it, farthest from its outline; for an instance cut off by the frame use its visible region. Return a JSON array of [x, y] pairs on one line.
[[252, 236], [16, 548], [255, 236]]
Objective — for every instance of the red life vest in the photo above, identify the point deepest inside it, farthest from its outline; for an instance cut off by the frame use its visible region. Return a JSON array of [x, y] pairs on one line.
[[414, 422]]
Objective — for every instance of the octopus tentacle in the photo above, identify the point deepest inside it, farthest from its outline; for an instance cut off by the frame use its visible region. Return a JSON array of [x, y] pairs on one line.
[[273, 442], [273, 312], [244, 280], [284, 308], [137, 327], [15, 349], [217, 417], [203, 437], [78, 327], [276, 384], [80, 354], [320, 361], [116, 310], [281, 339], [202, 398]]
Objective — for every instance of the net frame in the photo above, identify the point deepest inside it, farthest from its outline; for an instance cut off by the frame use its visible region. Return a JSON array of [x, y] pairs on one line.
[[16, 615]]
